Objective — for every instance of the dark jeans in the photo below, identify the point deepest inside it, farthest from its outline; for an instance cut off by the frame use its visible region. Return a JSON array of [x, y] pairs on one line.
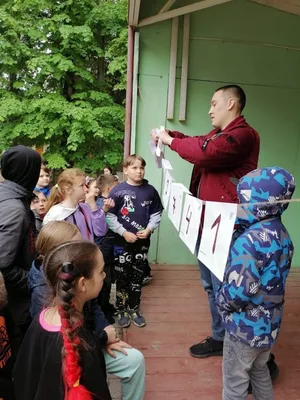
[[211, 284], [131, 262], [106, 245]]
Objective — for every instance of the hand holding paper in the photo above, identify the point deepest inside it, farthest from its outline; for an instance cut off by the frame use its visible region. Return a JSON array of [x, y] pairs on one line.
[[164, 137]]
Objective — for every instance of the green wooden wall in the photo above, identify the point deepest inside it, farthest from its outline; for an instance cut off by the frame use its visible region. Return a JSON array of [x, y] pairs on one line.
[[270, 76]]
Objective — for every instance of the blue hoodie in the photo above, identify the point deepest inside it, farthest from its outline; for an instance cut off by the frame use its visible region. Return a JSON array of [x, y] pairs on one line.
[[251, 298]]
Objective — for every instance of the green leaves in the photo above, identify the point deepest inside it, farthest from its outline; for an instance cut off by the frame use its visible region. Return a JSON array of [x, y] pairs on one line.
[[62, 79]]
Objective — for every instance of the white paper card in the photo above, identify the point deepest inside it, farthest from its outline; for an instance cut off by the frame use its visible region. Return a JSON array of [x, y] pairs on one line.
[[168, 180], [166, 164], [190, 221], [175, 203], [159, 148], [216, 236], [156, 159]]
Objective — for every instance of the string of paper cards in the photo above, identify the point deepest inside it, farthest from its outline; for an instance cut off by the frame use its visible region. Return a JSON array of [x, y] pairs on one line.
[[185, 211]]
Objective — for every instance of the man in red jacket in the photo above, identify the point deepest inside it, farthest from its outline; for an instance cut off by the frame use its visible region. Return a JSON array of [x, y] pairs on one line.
[[220, 158]]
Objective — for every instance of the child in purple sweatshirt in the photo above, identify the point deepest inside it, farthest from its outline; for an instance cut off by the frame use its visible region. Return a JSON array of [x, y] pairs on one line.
[[66, 203]]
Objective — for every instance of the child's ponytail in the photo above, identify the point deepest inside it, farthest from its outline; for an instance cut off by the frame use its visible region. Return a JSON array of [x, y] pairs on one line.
[[55, 197], [66, 178], [71, 322]]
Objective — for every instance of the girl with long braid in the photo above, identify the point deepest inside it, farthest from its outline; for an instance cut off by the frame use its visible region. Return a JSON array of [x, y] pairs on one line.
[[60, 357]]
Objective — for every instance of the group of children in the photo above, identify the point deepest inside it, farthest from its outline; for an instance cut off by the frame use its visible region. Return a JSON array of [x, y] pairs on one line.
[[70, 284], [71, 337], [118, 217]]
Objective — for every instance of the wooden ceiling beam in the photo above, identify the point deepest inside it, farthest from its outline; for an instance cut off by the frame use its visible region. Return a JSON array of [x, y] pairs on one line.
[[201, 5]]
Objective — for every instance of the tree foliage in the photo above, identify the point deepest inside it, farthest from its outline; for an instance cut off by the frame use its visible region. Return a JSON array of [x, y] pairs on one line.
[[62, 79]]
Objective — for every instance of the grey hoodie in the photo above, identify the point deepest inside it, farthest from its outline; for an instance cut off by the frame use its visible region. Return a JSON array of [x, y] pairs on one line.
[[20, 167]]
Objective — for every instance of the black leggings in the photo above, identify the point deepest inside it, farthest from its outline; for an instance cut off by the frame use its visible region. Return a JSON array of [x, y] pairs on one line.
[[131, 263]]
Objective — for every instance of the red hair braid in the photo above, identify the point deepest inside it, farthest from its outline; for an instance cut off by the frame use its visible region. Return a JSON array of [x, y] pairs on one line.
[[71, 322]]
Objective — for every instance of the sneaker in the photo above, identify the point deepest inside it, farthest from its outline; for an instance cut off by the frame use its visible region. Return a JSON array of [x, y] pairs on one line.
[[137, 318], [207, 348], [123, 319], [273, 368], [147, 280]]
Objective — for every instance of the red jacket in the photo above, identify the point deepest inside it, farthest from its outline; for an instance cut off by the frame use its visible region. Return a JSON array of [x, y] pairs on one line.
[[219, 158]]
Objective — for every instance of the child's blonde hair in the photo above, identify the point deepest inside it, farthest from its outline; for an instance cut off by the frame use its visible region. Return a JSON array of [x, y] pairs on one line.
[[53, 234], [66, 178], [131, 159]]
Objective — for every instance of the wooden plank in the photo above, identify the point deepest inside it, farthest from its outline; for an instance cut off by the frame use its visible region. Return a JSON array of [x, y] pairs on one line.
[[183, 382], [172, 70], [131, 12], [201, 5], [167, 6], [177, 274], [184, 67], [166, 267], [136, 14], [171, 365], [134, 91], [141, 339], [183, 282], [287, 6], [186, 316]]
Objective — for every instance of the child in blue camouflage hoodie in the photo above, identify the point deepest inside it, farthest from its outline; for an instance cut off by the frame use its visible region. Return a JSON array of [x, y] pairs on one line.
[[251, 298]]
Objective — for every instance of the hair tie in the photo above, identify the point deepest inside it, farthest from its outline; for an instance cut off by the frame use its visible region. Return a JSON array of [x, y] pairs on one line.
[[68, 271]]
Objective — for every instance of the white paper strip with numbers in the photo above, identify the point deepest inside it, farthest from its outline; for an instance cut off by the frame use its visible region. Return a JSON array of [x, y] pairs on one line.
[[216, 236], [167, 188], [190, 221], [175, 203]]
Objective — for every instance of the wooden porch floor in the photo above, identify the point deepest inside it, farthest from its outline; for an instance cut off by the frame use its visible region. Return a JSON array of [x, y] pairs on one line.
[[176, 309]]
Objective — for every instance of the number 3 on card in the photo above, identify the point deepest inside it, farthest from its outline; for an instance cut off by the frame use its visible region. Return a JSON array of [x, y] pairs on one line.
[[216, 236]]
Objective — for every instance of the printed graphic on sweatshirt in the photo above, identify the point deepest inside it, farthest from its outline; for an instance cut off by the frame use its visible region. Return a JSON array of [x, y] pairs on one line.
[[128, 206], [5, 349]]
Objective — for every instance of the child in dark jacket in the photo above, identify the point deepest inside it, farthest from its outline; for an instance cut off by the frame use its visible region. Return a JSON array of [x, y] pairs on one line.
[[38, 207], [105, 183], [43, 184], [251, 298], [127, 365]]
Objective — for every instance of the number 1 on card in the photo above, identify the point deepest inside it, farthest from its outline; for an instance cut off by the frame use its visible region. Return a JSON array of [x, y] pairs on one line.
[[217, 222]]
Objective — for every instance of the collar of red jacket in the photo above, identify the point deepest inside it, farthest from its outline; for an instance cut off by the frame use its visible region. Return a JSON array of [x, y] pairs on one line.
[[236, 123]]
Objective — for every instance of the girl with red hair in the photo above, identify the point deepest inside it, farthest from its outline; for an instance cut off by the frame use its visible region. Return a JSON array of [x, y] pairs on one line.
[[60, 358]]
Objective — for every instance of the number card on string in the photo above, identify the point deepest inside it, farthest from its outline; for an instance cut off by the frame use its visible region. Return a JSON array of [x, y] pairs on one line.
[[157, 160], [168, 180], [190, 221], [216, 236], [175, 203]]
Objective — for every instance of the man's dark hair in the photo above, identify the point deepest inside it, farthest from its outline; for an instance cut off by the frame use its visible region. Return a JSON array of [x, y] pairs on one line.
[[237, 91]]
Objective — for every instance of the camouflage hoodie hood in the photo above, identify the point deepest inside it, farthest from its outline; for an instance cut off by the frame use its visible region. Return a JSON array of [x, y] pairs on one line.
[[265, 185]]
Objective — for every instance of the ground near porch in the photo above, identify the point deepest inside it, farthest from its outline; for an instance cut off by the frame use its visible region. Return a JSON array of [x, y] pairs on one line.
[[176, 310]]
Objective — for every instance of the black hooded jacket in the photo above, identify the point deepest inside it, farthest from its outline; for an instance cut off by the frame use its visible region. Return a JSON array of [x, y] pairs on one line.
[[20, 166]]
